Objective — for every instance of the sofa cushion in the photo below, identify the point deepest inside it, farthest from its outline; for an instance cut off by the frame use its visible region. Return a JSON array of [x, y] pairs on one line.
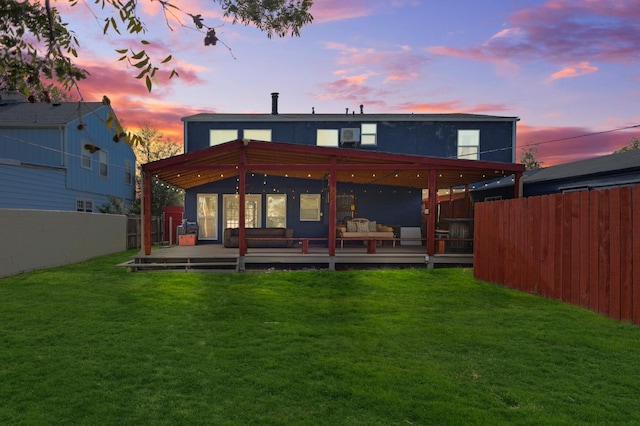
[[362, 227]]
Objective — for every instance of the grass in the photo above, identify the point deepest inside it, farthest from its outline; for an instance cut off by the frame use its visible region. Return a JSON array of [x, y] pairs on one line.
[[93, 344]]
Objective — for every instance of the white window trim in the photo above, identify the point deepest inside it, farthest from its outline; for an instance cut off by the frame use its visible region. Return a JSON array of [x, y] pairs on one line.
[[213, 216], [257, 134], [85, 154], [100, 163], [308, 217], [84, 202], [366, 135], [248, 198], [468, 138], [284, 196], [220, 136], [327, 137]]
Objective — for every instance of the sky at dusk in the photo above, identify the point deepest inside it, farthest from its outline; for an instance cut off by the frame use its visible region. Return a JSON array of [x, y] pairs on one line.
[[569, 69]]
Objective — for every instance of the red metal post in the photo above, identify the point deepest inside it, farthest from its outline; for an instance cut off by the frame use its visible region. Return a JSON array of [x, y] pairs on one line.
[[242, 189], [146, 212], [431, 217], [332, 207]]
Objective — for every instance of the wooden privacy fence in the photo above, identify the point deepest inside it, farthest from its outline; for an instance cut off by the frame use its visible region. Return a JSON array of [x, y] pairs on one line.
[[134, 231], [580, 247]]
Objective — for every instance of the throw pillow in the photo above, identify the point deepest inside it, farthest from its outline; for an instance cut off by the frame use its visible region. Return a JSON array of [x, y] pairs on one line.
[[363, 227], [372, 226], [351, 226]]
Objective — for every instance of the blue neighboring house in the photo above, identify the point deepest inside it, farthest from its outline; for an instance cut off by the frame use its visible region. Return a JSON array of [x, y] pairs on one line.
[[607, 171], [61, 156], [274, 201]]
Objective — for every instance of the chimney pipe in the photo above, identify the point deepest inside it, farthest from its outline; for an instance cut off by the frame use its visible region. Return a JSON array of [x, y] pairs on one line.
[[274, 103], [361, 109]]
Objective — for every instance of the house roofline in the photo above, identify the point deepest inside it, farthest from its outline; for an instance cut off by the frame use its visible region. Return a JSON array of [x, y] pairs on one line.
[[362, 118]]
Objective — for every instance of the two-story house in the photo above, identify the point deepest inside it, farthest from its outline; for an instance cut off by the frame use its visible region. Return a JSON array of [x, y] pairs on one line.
[[309, 172], [62, 156]]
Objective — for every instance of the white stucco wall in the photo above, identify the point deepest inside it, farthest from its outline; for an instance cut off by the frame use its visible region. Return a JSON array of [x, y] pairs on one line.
[[36, 239]]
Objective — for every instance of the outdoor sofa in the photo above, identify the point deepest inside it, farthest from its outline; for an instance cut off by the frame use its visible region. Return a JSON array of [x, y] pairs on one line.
[[363, 229], [268, 237]]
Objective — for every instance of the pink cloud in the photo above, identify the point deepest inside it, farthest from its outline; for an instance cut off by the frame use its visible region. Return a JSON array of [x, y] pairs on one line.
[[575, 70], [337, 10], [559, 145], [563, 31], [393, 65]]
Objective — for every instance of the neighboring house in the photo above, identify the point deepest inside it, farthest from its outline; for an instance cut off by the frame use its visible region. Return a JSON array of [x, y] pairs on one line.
[[62, 156], [614, 170], [275, 200]]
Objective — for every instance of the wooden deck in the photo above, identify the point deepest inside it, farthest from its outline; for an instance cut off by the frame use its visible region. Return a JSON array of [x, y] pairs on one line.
[[216, 258]]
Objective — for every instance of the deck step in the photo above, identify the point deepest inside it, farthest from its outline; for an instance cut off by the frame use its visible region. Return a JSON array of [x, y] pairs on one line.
[[214, 265]]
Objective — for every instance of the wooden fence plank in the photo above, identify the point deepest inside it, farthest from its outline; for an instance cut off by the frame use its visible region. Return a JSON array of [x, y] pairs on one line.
[[574, 250], [614, 256], [544, 245], [594, 197], [604, 265], [635, 231], [583, 249], [558, 264], [626, 258], [565, 232], [534, 262]]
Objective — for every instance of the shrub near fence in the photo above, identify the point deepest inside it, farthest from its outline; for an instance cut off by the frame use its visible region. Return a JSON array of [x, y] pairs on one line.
[[580, 247]]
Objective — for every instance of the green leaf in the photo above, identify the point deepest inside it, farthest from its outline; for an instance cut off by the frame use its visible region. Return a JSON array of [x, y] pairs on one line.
[[148, 81], [142, 63], [122, 51], [167, 59], [144, 42], [139, 55]]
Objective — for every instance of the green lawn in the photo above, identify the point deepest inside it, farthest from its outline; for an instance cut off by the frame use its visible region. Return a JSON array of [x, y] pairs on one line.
[[94, 344]]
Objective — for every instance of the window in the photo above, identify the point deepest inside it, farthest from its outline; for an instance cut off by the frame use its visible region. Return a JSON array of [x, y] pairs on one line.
[[469, 144], [493, 198], [369, 134], [276, 211], [84, 205], [327, 137], [103, 158], [85, 158], [309, 207], [217, 137], [128, 172], [257, 134], [252, 211], [207, 216]]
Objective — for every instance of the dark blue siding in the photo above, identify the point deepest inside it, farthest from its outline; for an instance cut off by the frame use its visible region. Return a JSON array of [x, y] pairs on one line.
[[384, 204], [428, 138]]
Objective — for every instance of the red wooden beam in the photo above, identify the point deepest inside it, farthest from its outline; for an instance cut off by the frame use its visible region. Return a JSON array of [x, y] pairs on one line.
[[242, 189], [332, 208], [146, 212], [431, 217]]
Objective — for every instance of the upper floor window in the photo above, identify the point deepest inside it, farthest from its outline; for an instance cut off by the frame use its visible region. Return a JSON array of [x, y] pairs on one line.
[[469, 144], [327, 137], [368, 133], [128, 172], [257, 134], [219, 136], [85, 158], [103, 158]]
